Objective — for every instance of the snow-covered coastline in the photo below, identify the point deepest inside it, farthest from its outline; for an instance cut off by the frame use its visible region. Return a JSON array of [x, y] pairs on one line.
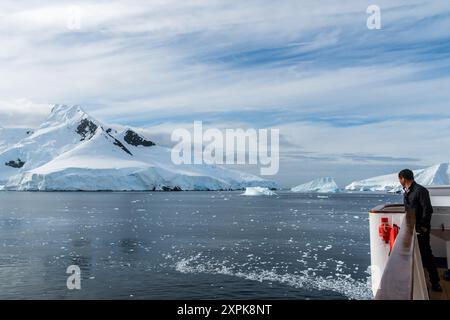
[[436, 175], [72, 151]]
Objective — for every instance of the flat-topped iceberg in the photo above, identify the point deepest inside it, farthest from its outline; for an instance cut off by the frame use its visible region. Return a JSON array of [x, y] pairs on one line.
[[321, 185]]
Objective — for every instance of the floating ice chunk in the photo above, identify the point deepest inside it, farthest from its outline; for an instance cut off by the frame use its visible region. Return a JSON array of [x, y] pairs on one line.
[[258, 191], [307, 279]]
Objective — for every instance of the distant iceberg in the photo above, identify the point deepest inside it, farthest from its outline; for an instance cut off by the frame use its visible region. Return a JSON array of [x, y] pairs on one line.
[[321, 185], [258, 191], [435, 175]]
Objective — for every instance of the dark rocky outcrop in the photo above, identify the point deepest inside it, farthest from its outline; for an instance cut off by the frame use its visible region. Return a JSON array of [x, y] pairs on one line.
[[176, 188], [15, 164], [118, 143], [134, 139], [86, 129]]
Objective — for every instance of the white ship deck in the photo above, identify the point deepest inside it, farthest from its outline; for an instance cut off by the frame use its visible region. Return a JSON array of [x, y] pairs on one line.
[[445, 295]]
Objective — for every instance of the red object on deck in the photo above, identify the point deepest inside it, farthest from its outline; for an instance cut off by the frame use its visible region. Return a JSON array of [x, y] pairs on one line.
[[392, 236], [384, 230]]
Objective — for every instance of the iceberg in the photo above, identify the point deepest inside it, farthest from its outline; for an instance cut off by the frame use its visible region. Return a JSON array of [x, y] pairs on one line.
[[258, 191], [436, 175], [321, 185], [72, 151]]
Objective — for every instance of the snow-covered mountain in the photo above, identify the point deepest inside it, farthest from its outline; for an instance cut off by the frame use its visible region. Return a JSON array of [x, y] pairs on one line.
[[73, 151], [10, 136], [321, 185], [435, 175]]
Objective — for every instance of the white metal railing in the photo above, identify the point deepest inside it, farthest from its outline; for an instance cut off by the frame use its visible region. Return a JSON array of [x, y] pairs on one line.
[[420, 291], [397, 274]]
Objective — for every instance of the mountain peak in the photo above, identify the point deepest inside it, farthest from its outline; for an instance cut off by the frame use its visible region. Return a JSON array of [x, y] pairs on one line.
[[442, 166], [61, 113], [66, 109], [435, 175]]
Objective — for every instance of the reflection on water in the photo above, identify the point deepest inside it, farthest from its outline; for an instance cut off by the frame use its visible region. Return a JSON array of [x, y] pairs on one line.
[[185, 245]]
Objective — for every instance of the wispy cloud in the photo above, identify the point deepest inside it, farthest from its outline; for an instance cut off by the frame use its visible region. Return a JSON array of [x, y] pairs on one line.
[[311, 68], [22, 113]]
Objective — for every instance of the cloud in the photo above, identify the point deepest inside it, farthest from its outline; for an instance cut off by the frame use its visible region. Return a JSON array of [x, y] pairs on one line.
[[22, 113], [339, 91], [378, 158]]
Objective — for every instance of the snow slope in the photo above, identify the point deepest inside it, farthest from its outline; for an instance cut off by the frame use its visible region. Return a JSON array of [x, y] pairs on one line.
[[73, 151], [435, 175], [10, 136], [321, 185]]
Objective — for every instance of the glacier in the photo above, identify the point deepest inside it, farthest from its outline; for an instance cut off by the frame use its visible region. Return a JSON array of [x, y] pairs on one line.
[[320, 185], [435, 175], [72, 151]]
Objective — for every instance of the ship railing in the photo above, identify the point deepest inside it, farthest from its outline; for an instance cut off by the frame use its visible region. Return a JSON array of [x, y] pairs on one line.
[[397, 274]]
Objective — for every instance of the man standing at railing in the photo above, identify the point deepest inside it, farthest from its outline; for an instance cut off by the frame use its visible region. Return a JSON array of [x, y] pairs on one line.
[[417, 199]]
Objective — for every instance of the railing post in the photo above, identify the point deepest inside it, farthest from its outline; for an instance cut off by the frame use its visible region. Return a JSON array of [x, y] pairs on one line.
[[420, 290]]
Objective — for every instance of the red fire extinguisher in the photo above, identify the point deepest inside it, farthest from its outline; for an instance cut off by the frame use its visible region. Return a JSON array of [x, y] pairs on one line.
[[384, 230], [392, 236]]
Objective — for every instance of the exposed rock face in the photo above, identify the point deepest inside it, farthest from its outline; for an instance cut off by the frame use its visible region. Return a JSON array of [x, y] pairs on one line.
[[134, 139], [176, 188], [118, 143], [15, 164], [86, 129]]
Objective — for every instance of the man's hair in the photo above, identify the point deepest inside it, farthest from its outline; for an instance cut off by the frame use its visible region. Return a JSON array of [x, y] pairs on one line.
[[406, 174]]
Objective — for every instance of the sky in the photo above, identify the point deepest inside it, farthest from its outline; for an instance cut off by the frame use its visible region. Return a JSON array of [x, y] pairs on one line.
[[349, 102]]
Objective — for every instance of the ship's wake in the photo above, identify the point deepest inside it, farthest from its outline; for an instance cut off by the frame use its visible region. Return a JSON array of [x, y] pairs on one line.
[[342, 284]]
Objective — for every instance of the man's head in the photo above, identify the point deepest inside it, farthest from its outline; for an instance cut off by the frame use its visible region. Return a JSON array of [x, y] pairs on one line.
[[406, 178]]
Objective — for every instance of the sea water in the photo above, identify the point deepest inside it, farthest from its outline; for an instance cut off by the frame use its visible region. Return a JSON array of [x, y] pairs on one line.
[[186, 245]]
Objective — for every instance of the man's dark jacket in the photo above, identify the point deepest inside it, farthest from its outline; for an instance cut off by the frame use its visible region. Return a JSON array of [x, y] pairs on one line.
[[417, 199]]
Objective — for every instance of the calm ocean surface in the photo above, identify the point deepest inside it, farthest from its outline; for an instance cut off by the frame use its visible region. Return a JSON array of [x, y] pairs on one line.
[[186, 245]]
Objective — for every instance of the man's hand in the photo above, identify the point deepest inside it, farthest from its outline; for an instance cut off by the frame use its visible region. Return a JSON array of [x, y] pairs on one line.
[[423, 230]]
